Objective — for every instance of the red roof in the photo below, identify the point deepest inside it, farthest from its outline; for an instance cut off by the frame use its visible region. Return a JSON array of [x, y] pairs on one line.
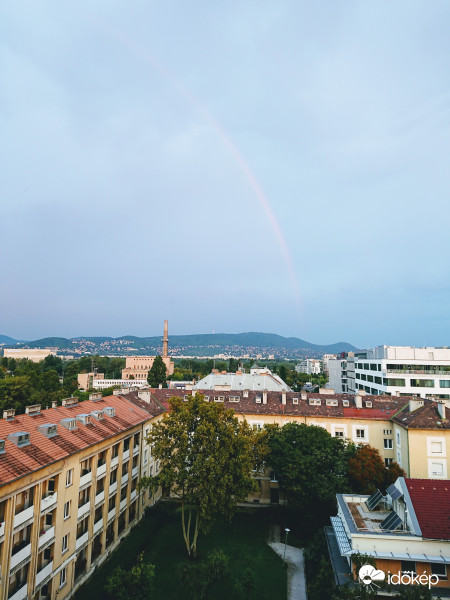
[[431, 501], [17, 462]]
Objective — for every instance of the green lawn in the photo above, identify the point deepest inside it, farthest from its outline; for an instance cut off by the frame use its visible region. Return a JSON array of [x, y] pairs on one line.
[[159, 536]]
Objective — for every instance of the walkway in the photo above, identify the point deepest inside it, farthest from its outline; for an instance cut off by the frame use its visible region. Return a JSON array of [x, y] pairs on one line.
[[296, 570]]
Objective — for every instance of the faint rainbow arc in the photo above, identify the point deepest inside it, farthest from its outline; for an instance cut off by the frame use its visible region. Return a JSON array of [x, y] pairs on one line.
[[245, 169]]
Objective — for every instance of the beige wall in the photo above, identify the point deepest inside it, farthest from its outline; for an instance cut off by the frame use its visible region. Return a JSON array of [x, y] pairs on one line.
[[139, 366], [33, 354], [429, 452]]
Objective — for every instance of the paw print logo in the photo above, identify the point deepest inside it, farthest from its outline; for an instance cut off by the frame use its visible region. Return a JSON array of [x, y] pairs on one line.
[[368, 575]]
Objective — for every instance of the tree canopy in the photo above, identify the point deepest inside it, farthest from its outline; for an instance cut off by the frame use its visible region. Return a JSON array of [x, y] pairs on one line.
[[157, 375], [367, 471], [206, 459], [310, 464]]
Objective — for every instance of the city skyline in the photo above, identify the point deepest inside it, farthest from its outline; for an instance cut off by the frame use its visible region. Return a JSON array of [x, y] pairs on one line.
[[248, 167]]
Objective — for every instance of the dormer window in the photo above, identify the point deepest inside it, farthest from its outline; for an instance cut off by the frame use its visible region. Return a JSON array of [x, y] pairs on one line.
[[97, 414], [21, 438], [345, 403], [69, 423], [315, 401], [110, 411], [2, 446], [368, 403], [294, 400], [258, 399], [49, 429], [84, 418], [332, 402]]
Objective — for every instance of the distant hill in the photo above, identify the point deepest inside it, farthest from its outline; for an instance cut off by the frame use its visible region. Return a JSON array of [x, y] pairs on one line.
[[8, 341], [236, 344]]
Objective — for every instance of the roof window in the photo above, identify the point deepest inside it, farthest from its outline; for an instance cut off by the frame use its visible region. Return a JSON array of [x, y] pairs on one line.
[[48, 429], [2, 446], [97, 414], [110, 411], [20, 438], [315, 401], [69, 423], [84, 418]]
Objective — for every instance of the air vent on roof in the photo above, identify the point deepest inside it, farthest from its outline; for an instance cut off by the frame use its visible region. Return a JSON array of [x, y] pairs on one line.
[[34, 409], [345, 403], [95, 396], [48, 429], [69, 423], [2, 446], [110, 411], [9, 414], [69, 401], [97, 414], [84, 418], [20, 438]]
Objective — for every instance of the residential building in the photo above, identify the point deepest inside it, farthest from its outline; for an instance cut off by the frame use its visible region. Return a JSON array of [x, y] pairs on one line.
[[311, 366], [33, 354], [406, 532], [86, 380], [325, 359], [259, 378], [337, 375], [68, 490], [401, 371]]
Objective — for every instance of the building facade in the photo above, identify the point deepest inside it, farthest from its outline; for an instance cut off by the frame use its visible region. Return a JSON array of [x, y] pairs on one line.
[[311, 366], [33, 354]]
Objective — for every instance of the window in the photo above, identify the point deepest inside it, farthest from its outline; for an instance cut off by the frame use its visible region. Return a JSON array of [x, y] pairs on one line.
[[409, 566], [294, 400], [69, 477], [444, 383], [422, 382], [273, 477], [436, 447], [388, 461], [398, 438], [65, 543], [388, 444], [360, 434], [396, 382], [67, 510], [440, 570], [63, 577], [437, 469], [339, 433], [387, 431]]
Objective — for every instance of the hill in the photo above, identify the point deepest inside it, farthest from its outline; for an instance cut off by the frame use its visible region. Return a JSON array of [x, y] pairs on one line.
[[234, 344]]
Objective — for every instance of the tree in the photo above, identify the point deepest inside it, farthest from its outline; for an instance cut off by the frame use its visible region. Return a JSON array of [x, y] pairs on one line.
[[206, 457], [134, 584], [367, 471], [158, 373], [311, 466]]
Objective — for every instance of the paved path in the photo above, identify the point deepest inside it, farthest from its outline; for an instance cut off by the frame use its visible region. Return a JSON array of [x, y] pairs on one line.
[[296, 570]]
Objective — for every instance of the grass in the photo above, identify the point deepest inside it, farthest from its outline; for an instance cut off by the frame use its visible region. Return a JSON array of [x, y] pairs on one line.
[[159, 536]]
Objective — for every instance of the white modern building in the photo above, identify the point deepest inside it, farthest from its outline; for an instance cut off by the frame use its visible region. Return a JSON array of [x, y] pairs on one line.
[[311, 366], [400, 371], [337, 375], [325, 360]]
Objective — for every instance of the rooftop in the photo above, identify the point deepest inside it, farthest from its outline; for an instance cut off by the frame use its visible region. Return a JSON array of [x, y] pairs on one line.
[[431, 501]]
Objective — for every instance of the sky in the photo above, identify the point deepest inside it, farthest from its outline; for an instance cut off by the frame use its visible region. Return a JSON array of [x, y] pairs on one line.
[[250, 165]]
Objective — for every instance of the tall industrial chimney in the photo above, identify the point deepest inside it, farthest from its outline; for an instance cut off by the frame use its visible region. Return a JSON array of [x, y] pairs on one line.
[[166, 340]]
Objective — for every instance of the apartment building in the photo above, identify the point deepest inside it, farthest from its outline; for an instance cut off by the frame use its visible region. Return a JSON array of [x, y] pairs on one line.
[[395, 426], [68, 490], [401, 371], [310, 366], [337, 375], [259, 378], [406, 532]]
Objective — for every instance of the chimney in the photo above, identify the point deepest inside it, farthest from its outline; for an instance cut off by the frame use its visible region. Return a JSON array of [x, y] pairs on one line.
[[264, 397], [358, 400], [166, 340], [9, 414], [441, 409], [415, 403], [283, 397], [160, 386], [54, 403], [303, 395], [34, 409]]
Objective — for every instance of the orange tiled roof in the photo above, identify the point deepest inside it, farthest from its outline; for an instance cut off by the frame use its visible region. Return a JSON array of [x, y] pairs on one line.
[[16, 462]]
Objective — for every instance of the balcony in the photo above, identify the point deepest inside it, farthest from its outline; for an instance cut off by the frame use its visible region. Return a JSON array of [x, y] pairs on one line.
[[114, 462], [24, 516], [125, 455], [98, 526], [21, 556], [133, 495], [85, 479], [136, 450], [99, 498], [101, 470], [82, 540], [49, 502], [113, 488], [111, 514], [21, 594], [124, 480], [123, 505], [46, 537], [83, 510], [2, 529], [44, 573], [134, 472]]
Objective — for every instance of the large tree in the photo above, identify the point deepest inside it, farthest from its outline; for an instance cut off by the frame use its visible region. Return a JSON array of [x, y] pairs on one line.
[[206, 459], [158, 373], [367, 471], [310, 464]]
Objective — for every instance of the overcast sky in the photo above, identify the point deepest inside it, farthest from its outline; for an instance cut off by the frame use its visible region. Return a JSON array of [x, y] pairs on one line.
[[278, 166]]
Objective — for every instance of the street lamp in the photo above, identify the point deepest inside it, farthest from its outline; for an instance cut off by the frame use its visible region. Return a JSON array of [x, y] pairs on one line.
[[285, 542]]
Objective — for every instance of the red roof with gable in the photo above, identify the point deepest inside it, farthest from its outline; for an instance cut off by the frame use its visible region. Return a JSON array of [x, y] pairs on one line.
[[431, 501], [17, 462]]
